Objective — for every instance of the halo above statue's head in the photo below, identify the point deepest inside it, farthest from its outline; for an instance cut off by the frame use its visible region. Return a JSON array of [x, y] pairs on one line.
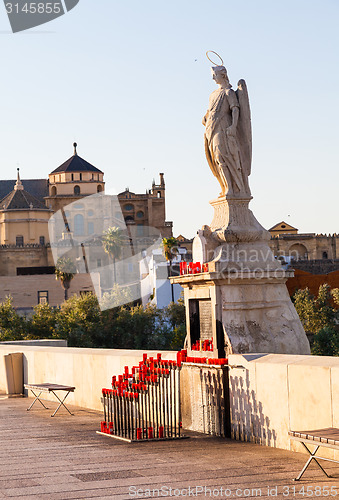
[[212, 51]]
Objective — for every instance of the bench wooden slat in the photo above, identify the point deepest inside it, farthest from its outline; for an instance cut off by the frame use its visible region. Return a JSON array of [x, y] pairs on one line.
[[48, 387]]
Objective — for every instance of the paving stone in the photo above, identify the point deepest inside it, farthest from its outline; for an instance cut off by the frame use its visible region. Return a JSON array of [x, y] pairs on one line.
[[63, 458]]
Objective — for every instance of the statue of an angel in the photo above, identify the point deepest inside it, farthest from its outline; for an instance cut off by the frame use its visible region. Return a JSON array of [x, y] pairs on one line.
[[228, 141]]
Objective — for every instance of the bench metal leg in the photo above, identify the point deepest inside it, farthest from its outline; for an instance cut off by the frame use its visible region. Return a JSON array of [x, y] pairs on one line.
[[36, 399], [312, 457], [61, 403]]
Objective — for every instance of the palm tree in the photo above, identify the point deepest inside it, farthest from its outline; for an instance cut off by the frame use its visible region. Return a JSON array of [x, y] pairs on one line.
[[112, 241], [170, 249], [65, 271]]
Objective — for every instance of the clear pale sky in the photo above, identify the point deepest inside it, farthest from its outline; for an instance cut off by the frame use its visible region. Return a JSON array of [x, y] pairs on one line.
[[129, 81]]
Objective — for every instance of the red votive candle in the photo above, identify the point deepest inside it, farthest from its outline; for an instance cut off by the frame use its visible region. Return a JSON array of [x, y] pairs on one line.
[[150, 433], [161, 431], [139, 433]]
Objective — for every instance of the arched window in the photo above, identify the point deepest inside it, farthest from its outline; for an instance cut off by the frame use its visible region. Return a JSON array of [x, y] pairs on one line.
[[99, 188], [140, 214], [76, 189], [79, 226], [129, 219], [128, 208], [159, 194], [325, 255], [80, 176], [54, 191], [298, 252]]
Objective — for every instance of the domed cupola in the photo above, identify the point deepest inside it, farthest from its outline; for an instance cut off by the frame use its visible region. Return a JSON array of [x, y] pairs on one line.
[[74, 179]]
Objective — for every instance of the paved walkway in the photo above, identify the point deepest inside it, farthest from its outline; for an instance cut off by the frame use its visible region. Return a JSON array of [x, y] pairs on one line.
[[63, 458]]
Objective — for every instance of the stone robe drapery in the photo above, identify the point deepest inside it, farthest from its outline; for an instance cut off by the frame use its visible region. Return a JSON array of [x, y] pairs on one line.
[[223, 151]]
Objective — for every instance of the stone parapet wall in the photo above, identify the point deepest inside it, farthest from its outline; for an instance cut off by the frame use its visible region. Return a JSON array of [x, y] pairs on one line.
[[88, 370], [271, 394]]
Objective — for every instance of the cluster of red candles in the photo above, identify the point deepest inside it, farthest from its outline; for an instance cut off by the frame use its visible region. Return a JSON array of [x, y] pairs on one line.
[[143, 403], [208, 361], [193, 268], [203, 345]]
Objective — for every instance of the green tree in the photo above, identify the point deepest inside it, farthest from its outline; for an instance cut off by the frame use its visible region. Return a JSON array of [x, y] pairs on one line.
[[12, 326], [65, 271], [170, 250], [319, 316], [318, 312], [79, 322], [42, 324], [335, 296], [176, 314], [112, 242], [326, 342]]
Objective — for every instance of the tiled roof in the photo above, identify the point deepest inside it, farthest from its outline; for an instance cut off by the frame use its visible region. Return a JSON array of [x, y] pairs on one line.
[[36, 187], [21, 200], [76, 164]]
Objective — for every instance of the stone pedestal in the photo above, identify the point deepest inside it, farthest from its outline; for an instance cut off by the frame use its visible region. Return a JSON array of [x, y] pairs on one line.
[[234, 222], [244, 288], [251, 311]]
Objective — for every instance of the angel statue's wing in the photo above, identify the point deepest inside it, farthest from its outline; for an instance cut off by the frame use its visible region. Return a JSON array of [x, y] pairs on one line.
[[244, 127]]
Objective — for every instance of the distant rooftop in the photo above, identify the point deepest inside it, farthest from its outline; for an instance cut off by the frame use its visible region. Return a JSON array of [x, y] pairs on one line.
[[36, 187], [19, 199], [76, 164]]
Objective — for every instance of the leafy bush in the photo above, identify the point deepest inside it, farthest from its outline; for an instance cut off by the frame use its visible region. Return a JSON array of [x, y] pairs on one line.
[[12, 326], [326, 342], [320, 318], [42, 324], [81, 322]]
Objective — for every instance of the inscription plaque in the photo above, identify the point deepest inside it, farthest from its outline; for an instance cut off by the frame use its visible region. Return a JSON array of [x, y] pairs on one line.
[[205, 319]]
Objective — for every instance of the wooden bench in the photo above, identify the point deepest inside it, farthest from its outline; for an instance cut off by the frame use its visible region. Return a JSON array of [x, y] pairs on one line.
[[50, 388], [328, 438]]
